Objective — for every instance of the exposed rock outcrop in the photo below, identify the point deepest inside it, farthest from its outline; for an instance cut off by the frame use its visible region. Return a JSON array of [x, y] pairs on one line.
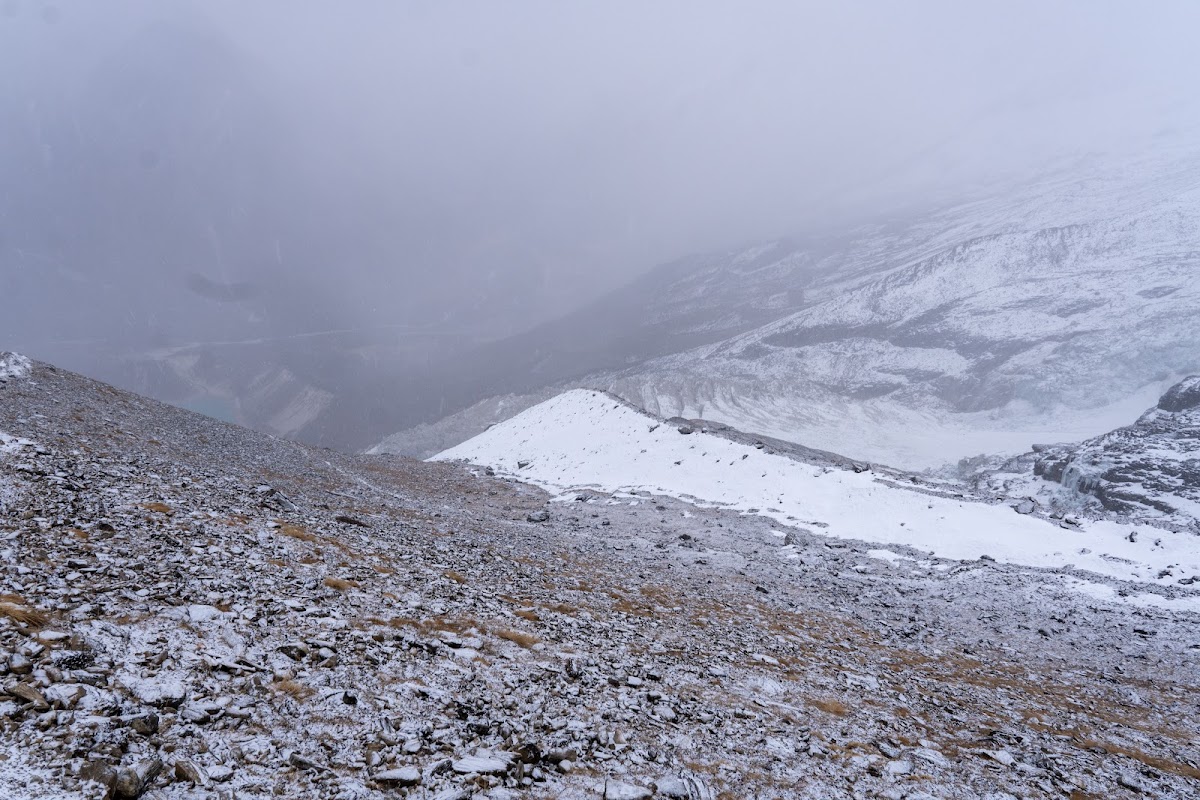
[[1148, 469]]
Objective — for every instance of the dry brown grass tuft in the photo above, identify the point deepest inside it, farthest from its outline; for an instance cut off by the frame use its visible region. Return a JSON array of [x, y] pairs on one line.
[[659, 594], [457, 577], [525, 640], [455, 625], [1087, 742], [341, 584], [345, 549], [295, 689], [22, 614], [632, 607], [835, 707], [297, 532], [528, 614]]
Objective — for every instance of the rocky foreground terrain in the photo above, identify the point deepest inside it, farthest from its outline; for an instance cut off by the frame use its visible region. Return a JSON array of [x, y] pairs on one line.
[[190, 609]]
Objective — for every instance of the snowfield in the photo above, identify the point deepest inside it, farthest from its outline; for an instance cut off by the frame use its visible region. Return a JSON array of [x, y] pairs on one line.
[[589, 440]]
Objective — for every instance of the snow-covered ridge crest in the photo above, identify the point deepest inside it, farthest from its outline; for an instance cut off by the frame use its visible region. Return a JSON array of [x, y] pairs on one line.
[[585, 439], [14, 365]]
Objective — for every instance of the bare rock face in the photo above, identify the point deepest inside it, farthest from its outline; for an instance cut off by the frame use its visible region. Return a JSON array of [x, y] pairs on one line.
[[160, 605], [101, 774], [1183, 396], [1149, 470]]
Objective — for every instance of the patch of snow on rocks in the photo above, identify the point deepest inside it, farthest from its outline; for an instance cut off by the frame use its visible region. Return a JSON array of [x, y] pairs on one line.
[[888, 556], [22, 775], [14, 365], [1106, 593], [10, 444]]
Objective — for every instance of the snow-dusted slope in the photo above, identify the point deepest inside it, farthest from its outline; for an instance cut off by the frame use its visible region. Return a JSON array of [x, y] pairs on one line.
[[358, 624], [1057, 312], [1050, 309], [423, 441], [589, 439]]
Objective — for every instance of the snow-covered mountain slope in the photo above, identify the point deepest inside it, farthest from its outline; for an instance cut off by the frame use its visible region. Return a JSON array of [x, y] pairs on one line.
[[1053, 309], [1059, 316], [591, 440]]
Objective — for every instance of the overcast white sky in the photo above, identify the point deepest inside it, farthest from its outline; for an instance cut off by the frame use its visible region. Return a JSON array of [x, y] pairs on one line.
[[596, 139], [654, 128]]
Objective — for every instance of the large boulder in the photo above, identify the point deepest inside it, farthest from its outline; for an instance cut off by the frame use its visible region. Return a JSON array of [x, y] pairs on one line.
[[1182, 396]]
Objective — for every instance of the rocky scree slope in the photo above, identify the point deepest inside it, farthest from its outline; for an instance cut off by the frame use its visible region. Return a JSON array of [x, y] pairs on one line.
[[194, 610]]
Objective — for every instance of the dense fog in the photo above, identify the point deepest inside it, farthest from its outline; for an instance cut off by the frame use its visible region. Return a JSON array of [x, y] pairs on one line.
[[407, 180]]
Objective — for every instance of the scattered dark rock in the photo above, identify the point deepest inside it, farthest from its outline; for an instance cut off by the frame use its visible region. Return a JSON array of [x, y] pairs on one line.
[[132, 782], [144, 724]]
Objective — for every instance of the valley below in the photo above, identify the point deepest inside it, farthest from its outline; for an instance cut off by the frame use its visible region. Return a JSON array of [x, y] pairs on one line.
[[599, 401]]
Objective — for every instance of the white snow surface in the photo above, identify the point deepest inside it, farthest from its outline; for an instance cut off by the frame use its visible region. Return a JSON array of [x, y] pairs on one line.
[[14, 365], [588, 439], [23, 769], [11, 444]]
